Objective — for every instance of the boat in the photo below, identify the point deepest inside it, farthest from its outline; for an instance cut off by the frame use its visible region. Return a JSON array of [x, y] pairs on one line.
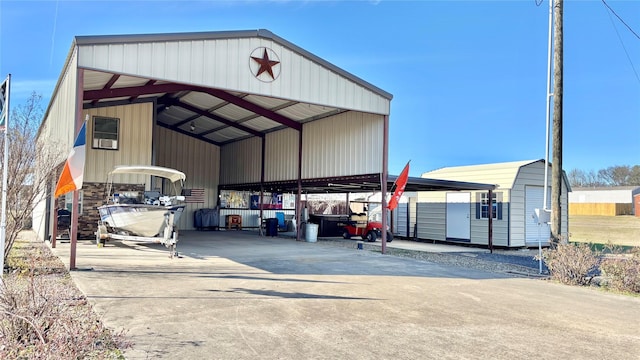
[[141, 216]]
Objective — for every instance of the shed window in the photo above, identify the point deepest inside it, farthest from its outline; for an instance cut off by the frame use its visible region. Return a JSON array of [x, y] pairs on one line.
[[105, 132], [482, 205]]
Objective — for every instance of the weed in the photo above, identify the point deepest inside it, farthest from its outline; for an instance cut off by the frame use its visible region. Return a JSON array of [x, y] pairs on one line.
[[621, 270], [44, 316], [572, 264]]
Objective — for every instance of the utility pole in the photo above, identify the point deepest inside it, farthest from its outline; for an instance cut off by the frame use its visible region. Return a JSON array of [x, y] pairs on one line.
[[556, 173]]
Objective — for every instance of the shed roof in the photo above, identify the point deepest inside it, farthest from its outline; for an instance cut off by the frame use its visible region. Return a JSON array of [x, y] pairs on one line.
[[503, 174]]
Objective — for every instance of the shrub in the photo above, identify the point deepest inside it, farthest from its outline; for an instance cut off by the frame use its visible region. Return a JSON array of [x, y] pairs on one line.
[[44, 316], [622, 271], [572, 264]]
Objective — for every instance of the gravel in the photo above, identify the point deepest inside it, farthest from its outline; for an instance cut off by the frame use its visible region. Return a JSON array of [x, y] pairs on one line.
[[520, 262]]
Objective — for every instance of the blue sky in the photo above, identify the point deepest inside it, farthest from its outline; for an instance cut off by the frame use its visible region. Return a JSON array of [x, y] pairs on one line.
[[468, 77]]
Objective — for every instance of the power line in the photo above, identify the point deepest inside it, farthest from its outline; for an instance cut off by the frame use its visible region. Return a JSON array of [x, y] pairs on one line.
[[619, 18], [620, 38]]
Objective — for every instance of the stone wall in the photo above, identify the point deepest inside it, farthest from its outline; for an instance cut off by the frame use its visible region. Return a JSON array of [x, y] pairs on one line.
[[94, 195]]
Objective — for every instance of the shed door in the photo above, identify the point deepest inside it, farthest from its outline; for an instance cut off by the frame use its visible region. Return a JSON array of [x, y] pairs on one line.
[[533, 200], [458, 216]]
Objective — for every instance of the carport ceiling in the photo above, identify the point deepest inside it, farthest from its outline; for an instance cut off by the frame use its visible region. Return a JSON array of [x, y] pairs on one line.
[[213, 115], [358, 184], [221, 117]]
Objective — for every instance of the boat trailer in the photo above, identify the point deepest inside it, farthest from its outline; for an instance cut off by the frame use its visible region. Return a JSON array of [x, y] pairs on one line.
[[169, 236]]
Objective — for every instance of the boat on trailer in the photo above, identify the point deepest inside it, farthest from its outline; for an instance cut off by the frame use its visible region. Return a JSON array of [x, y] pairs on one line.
[[149, 216]]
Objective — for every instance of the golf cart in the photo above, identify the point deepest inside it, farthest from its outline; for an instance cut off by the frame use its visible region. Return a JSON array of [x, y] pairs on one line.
[[366, 224]]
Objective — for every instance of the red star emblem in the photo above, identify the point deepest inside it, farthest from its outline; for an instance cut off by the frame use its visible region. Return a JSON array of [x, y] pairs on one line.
[[266, 64]]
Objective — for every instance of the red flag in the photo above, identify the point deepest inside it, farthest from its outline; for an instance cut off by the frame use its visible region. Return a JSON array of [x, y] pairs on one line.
[[401, 182]]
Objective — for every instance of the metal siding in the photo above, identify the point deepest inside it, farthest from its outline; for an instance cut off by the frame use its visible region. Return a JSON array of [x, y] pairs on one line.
[[39, 213], [224, 64], [130, 58], [250, 217], [199, 160], [281, 155], [240, 161], [58, 129], [346, 144], [516, 215], [534, 232], [57, 133], [601, 196], [431, 221], [134, 142], [529, 175], [400, 219], [413, 211], [480, 227]]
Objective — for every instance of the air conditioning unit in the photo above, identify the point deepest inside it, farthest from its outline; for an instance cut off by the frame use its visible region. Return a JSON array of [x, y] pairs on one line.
[[105, 143]]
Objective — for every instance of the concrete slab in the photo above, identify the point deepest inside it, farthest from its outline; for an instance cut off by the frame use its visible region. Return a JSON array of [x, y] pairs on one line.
[[236, 295]]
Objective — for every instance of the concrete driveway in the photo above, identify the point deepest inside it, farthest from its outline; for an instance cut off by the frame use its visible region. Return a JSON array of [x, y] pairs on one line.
[[236, 295]]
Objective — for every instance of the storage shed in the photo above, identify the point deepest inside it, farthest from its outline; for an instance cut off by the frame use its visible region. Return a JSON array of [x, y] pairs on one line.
[[462, 216], [233, 110]]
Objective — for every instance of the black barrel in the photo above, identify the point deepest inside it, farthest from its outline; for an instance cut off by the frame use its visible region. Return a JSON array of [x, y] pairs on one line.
[[272, 226]]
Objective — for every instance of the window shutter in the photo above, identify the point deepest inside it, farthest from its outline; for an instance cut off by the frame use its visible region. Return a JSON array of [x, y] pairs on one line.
[[478, 210], [499, 211]]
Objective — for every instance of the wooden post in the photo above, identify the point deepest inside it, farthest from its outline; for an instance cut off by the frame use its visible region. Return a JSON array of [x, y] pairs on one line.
[[556, 171]]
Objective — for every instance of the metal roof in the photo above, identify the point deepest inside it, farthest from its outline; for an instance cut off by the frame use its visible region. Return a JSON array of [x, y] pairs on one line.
[[214, 115], [503, 174]]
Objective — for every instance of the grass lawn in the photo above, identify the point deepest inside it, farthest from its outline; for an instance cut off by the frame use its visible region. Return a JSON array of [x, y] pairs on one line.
[[619, 230]]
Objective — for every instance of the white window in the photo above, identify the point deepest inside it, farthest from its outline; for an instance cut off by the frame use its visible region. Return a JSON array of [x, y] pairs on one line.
[[105, 132], [68, 201], [484, 206]]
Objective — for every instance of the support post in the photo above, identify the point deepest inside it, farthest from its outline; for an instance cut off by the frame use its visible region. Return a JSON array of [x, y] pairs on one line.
[[299, 197], [383, 181], [74, 212], [490, 227]]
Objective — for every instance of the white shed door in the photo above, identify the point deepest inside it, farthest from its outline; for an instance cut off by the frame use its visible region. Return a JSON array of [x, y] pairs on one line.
[[458, 216], [533, 200]]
